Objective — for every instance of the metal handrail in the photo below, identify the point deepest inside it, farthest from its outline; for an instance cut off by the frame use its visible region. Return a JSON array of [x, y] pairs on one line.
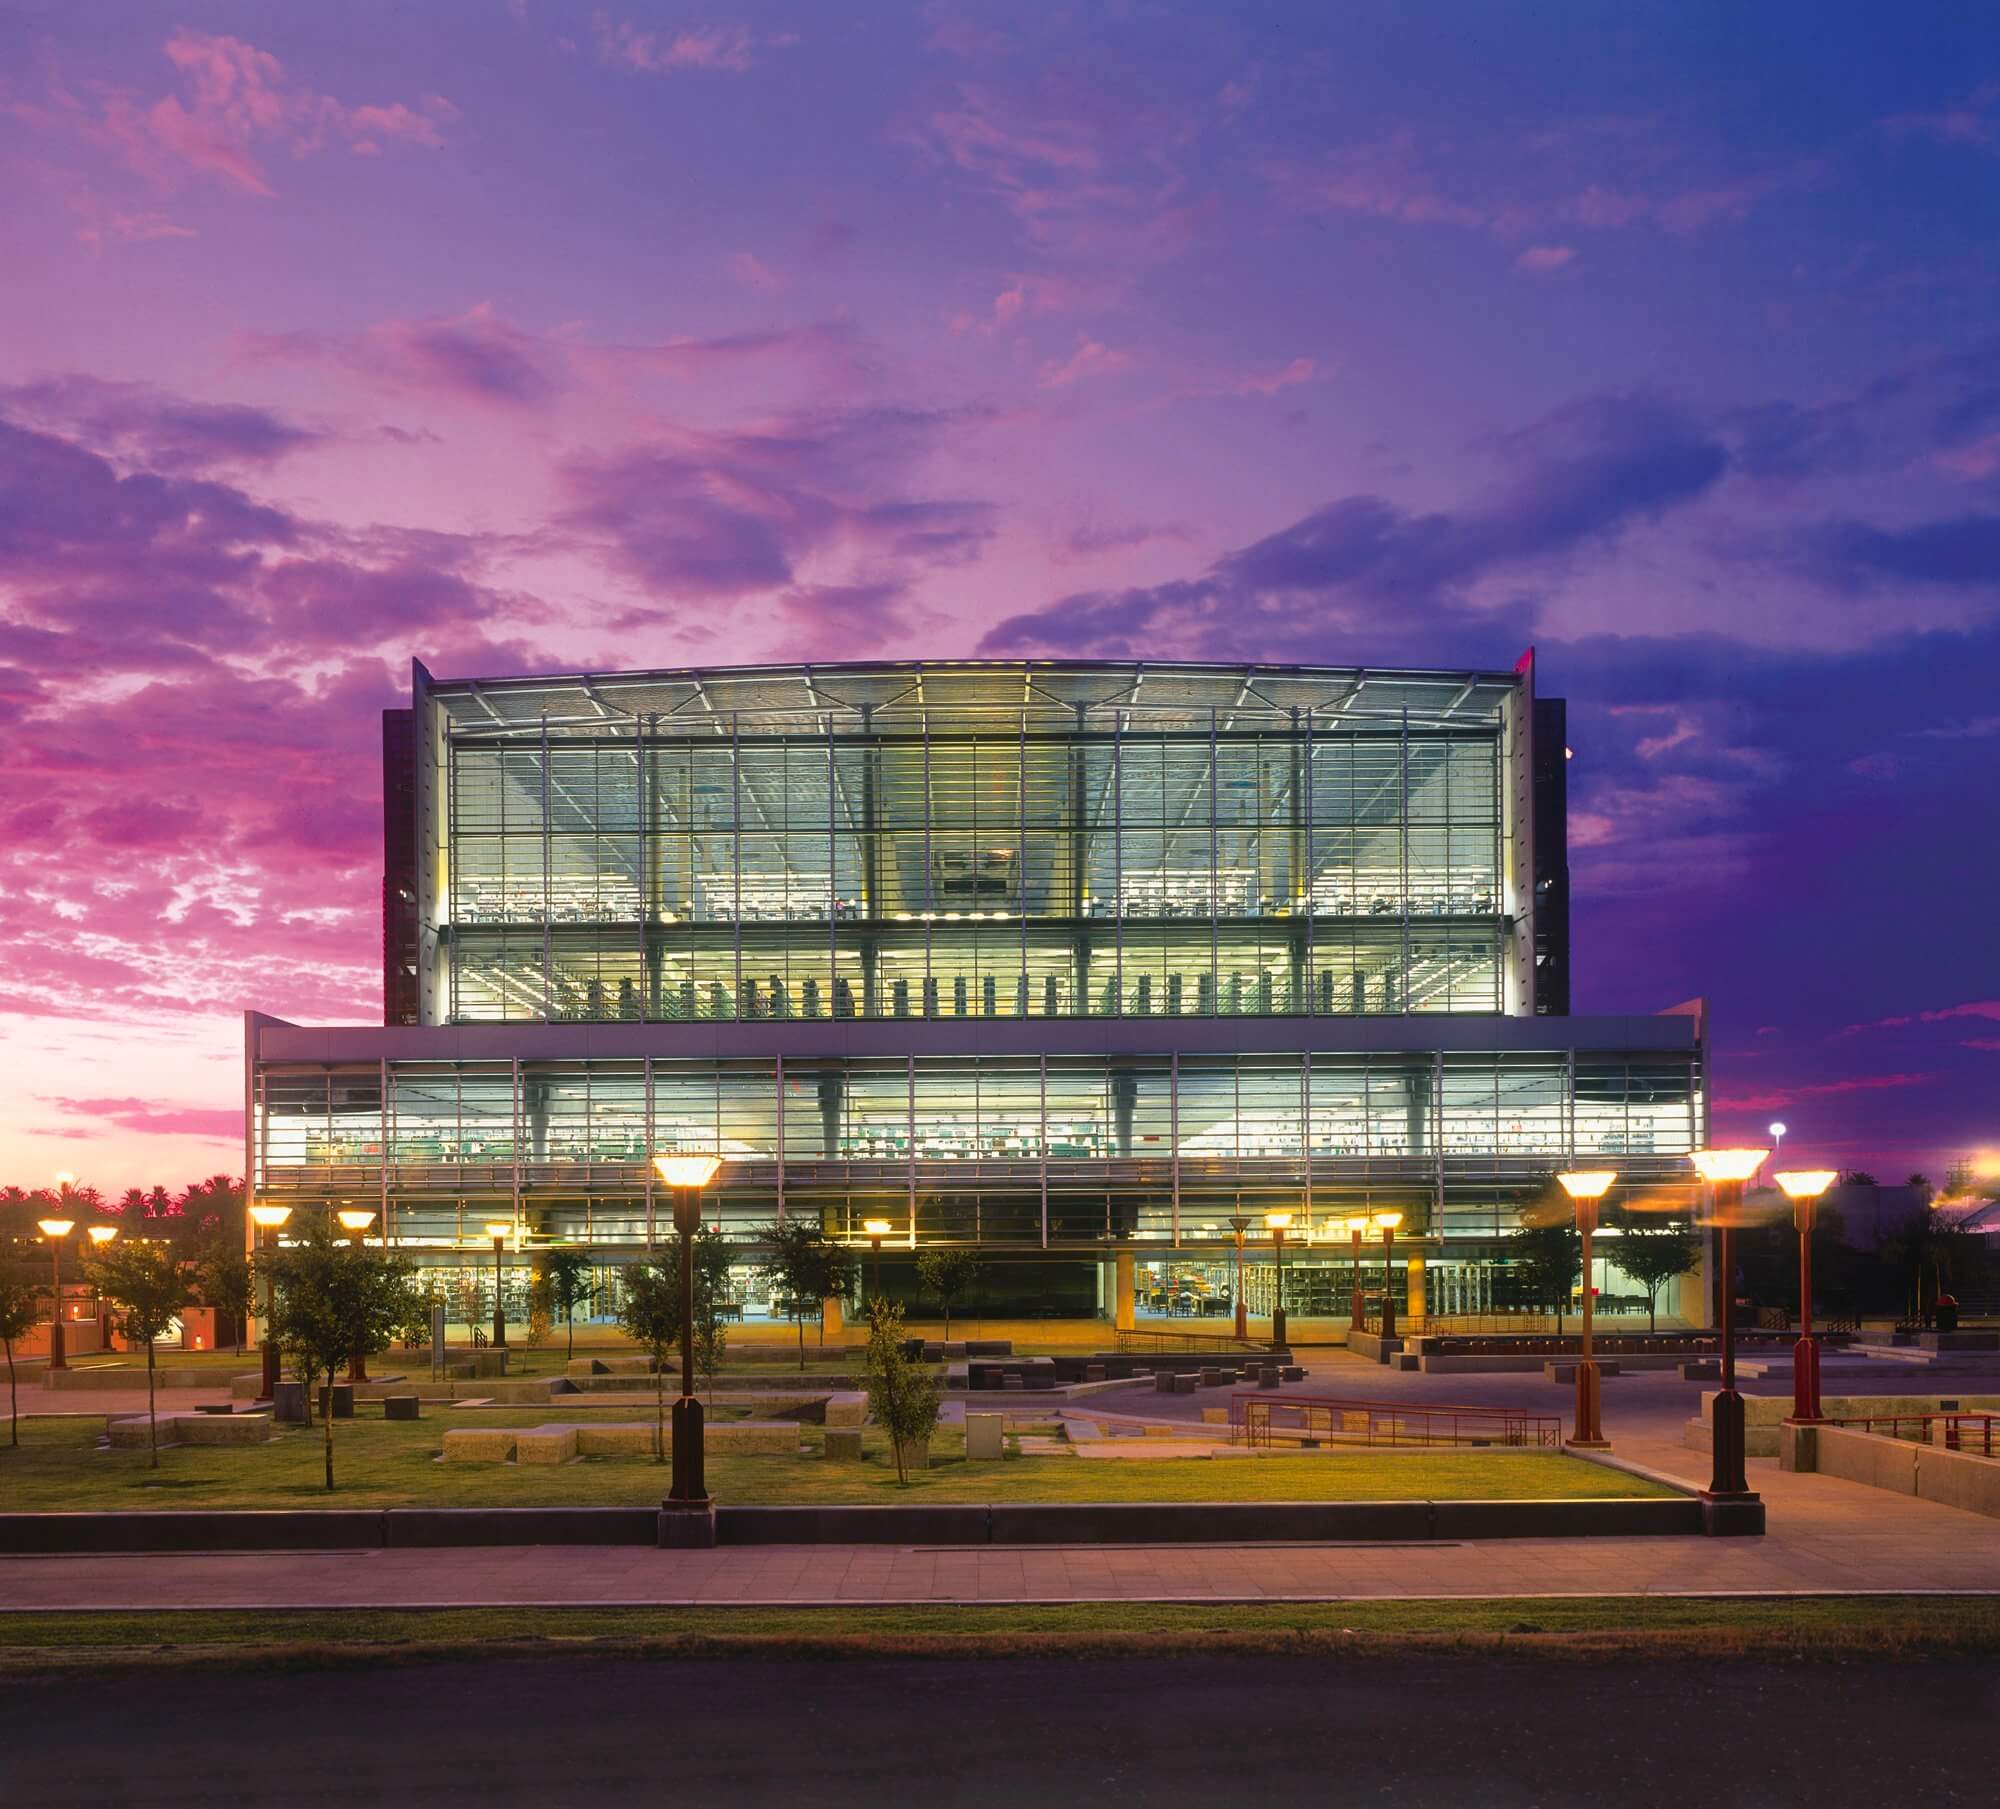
[[1166, 1343], [1978, 1441], [1260, 1419]]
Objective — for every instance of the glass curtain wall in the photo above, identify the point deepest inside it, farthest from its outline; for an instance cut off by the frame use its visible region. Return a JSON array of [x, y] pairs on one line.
[[980, 865]]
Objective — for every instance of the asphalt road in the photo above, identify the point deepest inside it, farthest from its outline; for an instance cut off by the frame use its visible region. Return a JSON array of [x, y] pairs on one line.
[[1495, 1731]]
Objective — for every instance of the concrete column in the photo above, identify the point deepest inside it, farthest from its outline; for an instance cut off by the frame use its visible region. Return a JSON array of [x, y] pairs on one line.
[[1415, 1310], [1122, 1304], [829, 1320], [1688, 1296]]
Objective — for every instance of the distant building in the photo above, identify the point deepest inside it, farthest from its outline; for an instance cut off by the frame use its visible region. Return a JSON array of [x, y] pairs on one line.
[[1071, 963]]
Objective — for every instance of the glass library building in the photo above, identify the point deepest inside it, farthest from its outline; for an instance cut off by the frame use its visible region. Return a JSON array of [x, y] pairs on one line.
[[1074, 964]]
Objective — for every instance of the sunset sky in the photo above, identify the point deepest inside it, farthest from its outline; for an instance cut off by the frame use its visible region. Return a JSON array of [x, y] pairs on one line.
[[1662, 337]]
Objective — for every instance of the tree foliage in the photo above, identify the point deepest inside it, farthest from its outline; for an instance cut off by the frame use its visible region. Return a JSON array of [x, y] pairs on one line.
[[566, 1278], [649, 1313], [222, 1273], [334, 1300], [1551, 1254], [902, 1393], [1653, 1250], [805, 1267], [20, 1313], [146, 1285], [946, 1275]]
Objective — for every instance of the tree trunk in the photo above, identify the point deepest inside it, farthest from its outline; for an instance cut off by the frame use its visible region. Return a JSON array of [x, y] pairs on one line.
[[659, 1408], [801, 1322], [1652, 1305], [569, 1323], [152, 1422], [13, 1400], [327, 1420]]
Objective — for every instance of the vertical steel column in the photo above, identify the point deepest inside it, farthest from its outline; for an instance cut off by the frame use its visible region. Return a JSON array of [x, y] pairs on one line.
[[1079, 854], [832, 883], [1437, 1136], [548, 887], [1044, 1061], [781, 1139], [1022, 986], [1118, 859], [1305, 1128], [652, 1147], [1305, 880], [387, 1210], [736, 852], [514, 1080], [930, 903], [910, 1071], [1403, 787], [1214, 877], [1174, 1136]]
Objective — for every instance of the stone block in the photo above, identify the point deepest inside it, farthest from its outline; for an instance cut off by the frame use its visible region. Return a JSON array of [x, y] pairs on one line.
[[1563, 1369], [1215, 1416], [1012, 1381], [846, 1409], [478, 1445], [1701, 1369], [343, 1401], [915, 1454], [771, 1438], [1186, 1383], [221, 1429], [1093, 1372], [985, 1437], [288, 1406], [1216, 1378], [843, 1444], [1268, 1376], [401, 1407], [131, 1434], [545, 1445], [616, 1441], [1293, 1372], [1163, 1381]]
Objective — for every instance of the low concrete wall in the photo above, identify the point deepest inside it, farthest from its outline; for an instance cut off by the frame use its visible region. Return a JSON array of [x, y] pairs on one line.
[[128, 1376], [190, 1429], [1930, 1472], [1372, 1346]]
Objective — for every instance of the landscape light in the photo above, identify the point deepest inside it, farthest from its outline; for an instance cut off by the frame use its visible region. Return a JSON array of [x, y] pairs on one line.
[[687, 1171], [1588, 1183], [56, 1227], [100, 1235], [355, 1218], [1723, 1165], [876, 1227], [499, 1228], [1806, 1183], [1277, 1221], [269, 1218], [1386, 1221]]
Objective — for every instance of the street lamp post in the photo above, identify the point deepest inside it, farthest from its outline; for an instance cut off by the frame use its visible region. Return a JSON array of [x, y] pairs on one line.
[[687, 1175], [877, 1230], [55, 1230], [355, 1220], [102, 1237], [268, 1220], [1586, 1187], [1386, 1223], [1239, 1225], [1725, 1170], [1358, 1229], [1803, 1187], [499, 1230], [1277, 1223]]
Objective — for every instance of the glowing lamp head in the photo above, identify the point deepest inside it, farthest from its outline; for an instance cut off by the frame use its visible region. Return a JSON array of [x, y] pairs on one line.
[[1776, 1130], [499, 1228], [269, 1217], [1358, 1223], [1588, 1183], [56, 1227], [1385, 1221], [1723, 1165], [1805, 1183], [687, 1171], [876, 1227], [1277, 1221], [100, 1235], [354, 1218]]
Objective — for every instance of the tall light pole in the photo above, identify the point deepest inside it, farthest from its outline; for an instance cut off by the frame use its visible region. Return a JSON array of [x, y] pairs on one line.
[[1586, 1187], [876, 1230], [55, 1230], [1725, 1170], [499, 1230], [1278, 1223], [1386, 1223], [1777, 1130], [687, 1175], [1803, 1187], [102, 1237], [355, 1220], [269, 1220], [1357, 1227], [1239, 1225]]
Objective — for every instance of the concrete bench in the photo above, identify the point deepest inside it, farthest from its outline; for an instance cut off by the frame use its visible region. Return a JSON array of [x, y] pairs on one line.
[[1293, 1372], [190, 1429], [843, 1444], [1163, 1381], [1217, 1378], [401, 1407], [1702, 1369], [478, 1445], [1186, 1383], [848, 1409], [1267, 1376], [545, 1445]]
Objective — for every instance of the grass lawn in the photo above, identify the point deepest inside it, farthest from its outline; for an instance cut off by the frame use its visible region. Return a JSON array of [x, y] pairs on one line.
[[377, 1464], [1679, 1628]]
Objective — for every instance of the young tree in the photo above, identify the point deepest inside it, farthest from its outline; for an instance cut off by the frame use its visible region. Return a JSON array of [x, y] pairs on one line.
[[567, 1277], [947, 1274], [650, 1315], [805, 1267], [713, 1255], [222, 1273], [334, 1299], [20, 1313], [1552, 1255], [902, 1394], [1653, 1251], [147, 1285]]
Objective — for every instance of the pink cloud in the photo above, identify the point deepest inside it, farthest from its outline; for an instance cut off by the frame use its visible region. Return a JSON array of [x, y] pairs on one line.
[[1092, 358], [1974, 1008], [1545, 260], [1779, 1098], [152, 1117], [714, 47]]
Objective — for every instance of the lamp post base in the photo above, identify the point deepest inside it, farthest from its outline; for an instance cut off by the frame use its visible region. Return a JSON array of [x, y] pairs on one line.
[[1727, 1476], [687, 1525], [1589, 1433], [272, 1374], [1732, 1514], [1278, 1328]]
